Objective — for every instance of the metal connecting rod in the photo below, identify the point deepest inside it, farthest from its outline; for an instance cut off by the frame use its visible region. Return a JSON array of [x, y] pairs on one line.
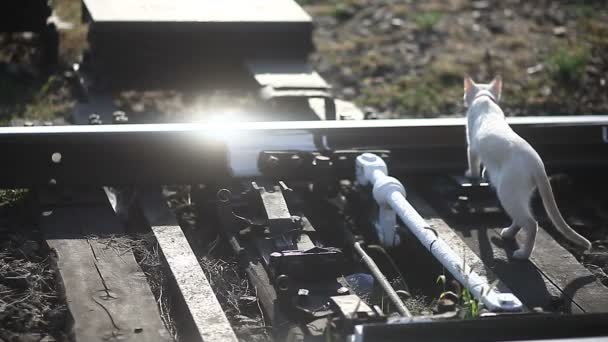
[[388, 191], [394, 297]]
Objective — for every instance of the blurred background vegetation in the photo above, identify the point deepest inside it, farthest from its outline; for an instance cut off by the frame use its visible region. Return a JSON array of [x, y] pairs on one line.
[[397, 58], [407, 58]]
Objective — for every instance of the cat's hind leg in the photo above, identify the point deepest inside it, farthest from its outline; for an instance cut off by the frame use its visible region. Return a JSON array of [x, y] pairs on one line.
[[514, 198], [510, 231], [525, 251]]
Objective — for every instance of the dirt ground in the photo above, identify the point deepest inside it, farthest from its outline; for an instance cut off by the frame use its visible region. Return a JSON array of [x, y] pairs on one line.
[[407, 58]]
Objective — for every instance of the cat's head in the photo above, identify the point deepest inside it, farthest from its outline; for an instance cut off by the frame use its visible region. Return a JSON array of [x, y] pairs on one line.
[[472, 89]]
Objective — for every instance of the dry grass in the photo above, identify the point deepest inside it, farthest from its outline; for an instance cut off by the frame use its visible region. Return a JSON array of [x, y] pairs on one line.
[[31, 303]]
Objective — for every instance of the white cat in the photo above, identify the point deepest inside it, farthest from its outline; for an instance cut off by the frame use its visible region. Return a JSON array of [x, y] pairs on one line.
[[514, 167]]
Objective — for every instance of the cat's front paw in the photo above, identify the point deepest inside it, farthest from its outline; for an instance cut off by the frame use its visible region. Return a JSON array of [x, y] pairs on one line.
[[507, 233], [521, 254]]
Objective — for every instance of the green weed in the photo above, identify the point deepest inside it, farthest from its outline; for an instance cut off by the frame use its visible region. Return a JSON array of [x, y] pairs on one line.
[[469, 304], [568, 64], [427, 20]]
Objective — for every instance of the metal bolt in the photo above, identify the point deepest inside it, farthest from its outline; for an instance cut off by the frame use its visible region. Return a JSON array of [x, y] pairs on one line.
[[322, 161], [282, 282], [295, 160], [118, 113], [272, 161], [120, 120], [93, 117], [56, 157], [119, 117]]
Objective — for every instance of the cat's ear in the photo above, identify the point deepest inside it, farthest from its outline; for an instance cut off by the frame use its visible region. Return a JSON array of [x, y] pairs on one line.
[[496, 86], [468, 84]]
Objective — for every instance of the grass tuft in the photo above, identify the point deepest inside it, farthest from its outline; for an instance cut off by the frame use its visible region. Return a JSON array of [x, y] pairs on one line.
[[567, 64], [427, 20]]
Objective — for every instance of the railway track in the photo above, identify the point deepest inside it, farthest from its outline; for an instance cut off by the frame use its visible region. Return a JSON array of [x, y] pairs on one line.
[[290, 201]]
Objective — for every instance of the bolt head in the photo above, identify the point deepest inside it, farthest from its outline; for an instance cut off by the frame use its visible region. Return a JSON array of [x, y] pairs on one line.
[[272, 160], [118, 113], [295, 160], [321, 161]]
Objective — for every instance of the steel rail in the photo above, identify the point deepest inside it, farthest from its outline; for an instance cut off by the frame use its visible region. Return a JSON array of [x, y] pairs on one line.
[[137, 154]]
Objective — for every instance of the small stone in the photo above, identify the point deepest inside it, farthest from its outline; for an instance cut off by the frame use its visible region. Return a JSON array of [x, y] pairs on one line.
[[560, 31], [481, 5], [396, 22], [534, 69]]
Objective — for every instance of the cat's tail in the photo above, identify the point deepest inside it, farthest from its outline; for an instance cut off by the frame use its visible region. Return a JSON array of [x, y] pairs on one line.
[[546, 193]]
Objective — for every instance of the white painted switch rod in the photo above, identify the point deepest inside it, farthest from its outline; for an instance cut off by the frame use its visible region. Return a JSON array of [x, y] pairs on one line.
[[390, 195]]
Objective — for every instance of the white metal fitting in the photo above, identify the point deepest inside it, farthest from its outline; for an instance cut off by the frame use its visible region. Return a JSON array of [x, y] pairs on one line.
[[371, 169], [365, 165], [497, 301], [386, 226], [384, 187]]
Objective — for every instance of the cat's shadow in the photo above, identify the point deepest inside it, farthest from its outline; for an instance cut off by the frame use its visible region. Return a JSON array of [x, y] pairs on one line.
[[527, 282]]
